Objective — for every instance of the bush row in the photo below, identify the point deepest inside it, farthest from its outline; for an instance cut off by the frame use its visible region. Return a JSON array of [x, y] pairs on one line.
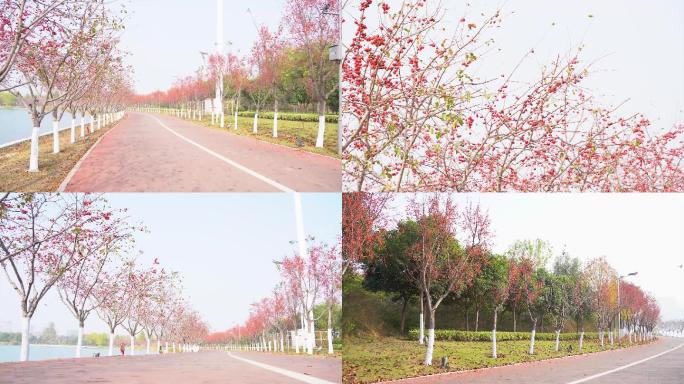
[[307, 117], [454, 335]]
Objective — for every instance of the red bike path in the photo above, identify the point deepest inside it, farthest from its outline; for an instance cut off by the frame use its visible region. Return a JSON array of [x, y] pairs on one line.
[[204, 367], [157, 153]]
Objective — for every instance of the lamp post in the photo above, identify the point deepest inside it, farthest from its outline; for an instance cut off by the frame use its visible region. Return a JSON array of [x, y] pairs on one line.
[[336, 56], [219, 50], [618, 302]]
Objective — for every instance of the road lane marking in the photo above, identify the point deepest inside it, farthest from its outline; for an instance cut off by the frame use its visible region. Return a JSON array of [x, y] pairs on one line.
[[295, 375], [624, 366], [239, 166]]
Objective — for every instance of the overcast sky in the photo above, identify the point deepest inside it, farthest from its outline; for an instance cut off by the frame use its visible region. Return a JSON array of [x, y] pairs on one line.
[[223, 246], [637, 45], [641, 233], [165, 38]]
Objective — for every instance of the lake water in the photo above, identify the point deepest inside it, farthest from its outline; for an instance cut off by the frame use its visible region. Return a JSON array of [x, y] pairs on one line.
[[15, 124], [10, 353]]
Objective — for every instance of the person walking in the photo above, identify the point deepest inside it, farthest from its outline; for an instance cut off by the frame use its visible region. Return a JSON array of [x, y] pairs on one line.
[[122, 348]]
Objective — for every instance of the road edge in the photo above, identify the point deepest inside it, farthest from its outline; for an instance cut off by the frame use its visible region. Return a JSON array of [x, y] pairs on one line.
[[65, 183]]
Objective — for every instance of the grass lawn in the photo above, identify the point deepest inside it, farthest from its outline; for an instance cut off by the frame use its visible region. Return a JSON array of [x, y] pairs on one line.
[[14, 162], [369, 361], [288, 132]]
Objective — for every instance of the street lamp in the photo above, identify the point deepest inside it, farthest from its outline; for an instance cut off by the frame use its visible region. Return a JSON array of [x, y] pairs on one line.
[[618, 302], [336, 56]]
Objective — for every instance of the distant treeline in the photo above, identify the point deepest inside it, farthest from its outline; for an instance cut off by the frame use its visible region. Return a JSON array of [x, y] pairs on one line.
[[49, 336], [7, 99]]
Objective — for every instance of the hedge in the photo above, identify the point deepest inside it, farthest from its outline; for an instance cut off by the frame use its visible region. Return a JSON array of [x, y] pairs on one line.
[[453, 335], [307, 117]]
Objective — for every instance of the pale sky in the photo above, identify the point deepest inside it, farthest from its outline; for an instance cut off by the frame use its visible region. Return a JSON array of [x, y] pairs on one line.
[[638, 46], [223, 245], [641, 233], [164, 38]]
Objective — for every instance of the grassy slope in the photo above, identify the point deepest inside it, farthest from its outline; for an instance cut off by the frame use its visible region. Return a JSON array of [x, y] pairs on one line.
[[368, 361], [288, 131], [53, 167]]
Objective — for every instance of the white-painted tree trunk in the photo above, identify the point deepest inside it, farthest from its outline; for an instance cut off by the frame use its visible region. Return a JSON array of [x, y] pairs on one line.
[[111, 344], [25, 338], [166, 347], [430, 346], [557, 339], [213, 118], [173, 347], [73, 130], [494, 344], [223, 120], [321, 131], [275, 124], [601, 337], [147, 350], [158, 346], [255, 129], [282, 343], [79, 342], [330, 342], [534, 332], [82, 125], [581, 341], [236, 121], [33, 159], [55, 136], [132, 346]]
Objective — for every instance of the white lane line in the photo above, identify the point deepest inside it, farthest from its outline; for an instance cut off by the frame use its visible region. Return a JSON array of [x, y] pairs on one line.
[[624, 366], [295, 375], [241, 167]]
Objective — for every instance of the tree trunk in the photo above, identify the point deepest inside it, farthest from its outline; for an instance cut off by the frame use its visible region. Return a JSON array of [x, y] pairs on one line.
[[403, 315], [330, 341], [33, 160], [321, 124], [132, 345], [557, 339], [275, 119], [431, 338], [581, 341], [55, 135], [25, 338], [477, 319], [255, 129], [494, 335], [73, 129], [534, 332], [147, 339], [515, 320], [79, 341], [111, 343], [421, 331], [82, 125]]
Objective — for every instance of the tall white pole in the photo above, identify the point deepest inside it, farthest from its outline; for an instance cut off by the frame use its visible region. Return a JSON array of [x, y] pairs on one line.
[[219, 50]]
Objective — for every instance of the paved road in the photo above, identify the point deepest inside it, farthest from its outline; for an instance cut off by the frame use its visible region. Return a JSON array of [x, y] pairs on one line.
[[159, 153], [665, 369], [204, 368]]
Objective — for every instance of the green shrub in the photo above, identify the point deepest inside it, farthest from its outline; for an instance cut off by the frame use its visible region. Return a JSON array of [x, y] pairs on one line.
[[306, 117], [454, 335]]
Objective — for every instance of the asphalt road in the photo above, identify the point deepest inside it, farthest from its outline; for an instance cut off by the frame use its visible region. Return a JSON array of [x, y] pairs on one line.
[[203, 367], [159, 153], [626, 366]]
